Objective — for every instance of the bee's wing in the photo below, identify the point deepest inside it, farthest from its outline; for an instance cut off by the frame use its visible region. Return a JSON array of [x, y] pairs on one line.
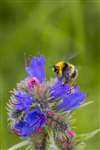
[[71, 56]]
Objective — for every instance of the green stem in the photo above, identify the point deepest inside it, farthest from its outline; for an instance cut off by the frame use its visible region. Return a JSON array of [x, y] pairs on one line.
[[24, 143]]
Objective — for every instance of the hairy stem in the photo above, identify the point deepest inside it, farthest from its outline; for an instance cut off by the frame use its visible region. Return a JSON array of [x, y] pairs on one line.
[[19, 145]]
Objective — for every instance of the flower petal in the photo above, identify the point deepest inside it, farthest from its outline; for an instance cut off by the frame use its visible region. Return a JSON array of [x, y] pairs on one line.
[[24, 100], [59, 90], [21, 128], [36, 118], [72, 102], [37, 68], [32, 123]]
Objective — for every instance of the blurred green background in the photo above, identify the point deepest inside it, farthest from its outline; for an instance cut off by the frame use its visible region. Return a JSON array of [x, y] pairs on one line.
[[59, 29]]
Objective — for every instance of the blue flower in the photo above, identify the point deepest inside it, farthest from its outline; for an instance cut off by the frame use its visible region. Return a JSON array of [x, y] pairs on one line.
[[32, 122], [59, 90], [24, 101], [72, 101], [30, 102], [22, 129], [70, 96], [36, 68], [36, 118]]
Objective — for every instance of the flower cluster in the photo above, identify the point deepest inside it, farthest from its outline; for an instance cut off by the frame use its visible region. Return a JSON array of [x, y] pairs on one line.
[[38, 104]]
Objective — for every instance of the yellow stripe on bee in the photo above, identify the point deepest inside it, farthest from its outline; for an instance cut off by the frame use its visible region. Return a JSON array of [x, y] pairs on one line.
[[60, 63], [60, 66]]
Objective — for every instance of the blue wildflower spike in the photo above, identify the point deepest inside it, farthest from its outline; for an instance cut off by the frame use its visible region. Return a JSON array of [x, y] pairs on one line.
[[36, 68], [35, 106]]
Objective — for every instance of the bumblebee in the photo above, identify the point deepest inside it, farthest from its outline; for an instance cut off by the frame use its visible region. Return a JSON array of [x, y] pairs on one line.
[[66, 71]]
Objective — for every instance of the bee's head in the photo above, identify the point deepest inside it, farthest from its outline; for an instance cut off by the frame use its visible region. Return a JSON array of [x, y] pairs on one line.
[[59, 67]]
